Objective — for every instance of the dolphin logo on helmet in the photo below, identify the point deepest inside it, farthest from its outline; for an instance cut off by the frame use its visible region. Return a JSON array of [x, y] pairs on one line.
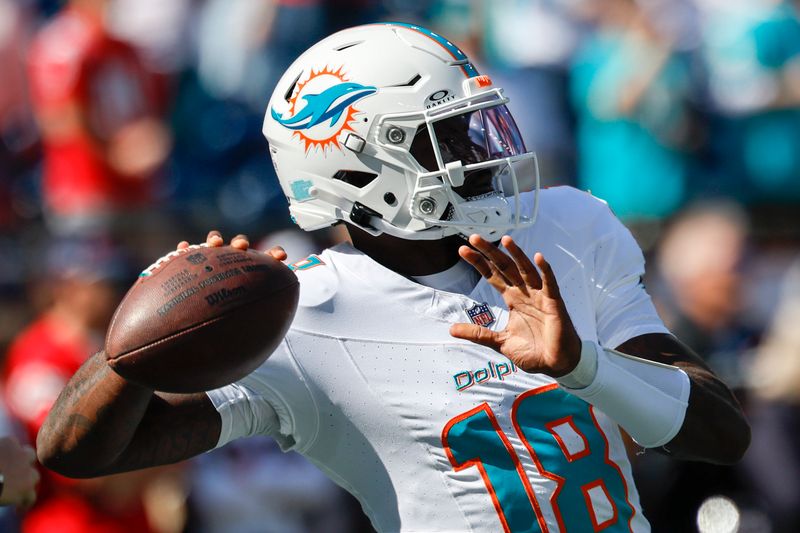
[[386, 157], [329, 104]]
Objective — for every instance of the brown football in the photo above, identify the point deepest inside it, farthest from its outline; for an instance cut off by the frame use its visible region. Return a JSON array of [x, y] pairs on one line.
[[201, 318]]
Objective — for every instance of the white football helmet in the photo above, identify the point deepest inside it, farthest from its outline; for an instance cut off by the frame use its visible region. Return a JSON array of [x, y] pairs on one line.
[[390, 127]]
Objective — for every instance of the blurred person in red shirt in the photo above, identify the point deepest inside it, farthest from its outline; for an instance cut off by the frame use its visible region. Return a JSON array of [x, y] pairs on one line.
[[84, 281], [19, 141], [97, 110]]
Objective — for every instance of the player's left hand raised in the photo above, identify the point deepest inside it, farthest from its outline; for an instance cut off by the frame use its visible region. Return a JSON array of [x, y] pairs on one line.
[[539, 336]]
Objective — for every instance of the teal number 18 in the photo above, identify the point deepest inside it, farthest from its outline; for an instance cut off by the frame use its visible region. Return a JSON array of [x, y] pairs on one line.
[[567, 446]]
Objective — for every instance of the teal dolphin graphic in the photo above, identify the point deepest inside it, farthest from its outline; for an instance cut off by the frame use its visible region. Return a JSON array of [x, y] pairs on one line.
[[329, 104]]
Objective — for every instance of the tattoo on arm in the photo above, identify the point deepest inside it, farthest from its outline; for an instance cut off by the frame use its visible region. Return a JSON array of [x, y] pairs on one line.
[[103, 424], [68, 399], [175, 427]]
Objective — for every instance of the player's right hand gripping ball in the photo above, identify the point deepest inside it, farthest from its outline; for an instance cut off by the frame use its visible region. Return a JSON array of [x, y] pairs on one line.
[[200, 318]]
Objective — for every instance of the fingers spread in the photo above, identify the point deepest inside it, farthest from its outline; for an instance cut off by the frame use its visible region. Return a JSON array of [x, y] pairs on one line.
[[549, 282], [183, 245], [479, 262], [526, 268], [497, 260], [475, 259], [476, 334]]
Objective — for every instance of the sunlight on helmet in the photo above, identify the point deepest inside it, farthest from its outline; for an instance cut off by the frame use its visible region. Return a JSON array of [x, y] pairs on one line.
[[446, 151]]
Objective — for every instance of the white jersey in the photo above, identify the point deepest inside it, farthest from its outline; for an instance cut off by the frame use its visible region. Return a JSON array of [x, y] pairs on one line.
[[432, 433]]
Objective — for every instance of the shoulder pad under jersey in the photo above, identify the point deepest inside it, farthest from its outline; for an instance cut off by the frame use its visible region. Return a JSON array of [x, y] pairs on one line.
[[571, 207], [318, 280]]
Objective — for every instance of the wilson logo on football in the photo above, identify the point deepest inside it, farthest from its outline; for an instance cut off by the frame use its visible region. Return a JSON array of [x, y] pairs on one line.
[[321, 108]]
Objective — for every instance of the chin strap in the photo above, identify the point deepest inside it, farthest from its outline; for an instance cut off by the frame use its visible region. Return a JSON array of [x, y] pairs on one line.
[[362, 216], [647, 399]]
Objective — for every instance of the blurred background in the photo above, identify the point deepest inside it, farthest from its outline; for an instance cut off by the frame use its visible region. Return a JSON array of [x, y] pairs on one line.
[[128, 125]]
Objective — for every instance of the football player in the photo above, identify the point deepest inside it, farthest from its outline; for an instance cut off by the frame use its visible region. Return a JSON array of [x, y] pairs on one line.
[[449, 384]]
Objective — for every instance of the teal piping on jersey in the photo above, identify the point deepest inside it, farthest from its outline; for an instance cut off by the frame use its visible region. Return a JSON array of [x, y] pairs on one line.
[[468, 68]]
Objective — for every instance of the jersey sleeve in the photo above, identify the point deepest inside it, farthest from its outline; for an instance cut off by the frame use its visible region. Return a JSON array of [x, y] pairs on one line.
[[623, 308], [273, 400]]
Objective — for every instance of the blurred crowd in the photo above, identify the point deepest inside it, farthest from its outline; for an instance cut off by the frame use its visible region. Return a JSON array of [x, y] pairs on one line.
[[129, 125]]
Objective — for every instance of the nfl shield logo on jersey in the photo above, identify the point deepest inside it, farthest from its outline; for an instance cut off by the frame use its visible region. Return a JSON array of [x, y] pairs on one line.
[[481, 314]]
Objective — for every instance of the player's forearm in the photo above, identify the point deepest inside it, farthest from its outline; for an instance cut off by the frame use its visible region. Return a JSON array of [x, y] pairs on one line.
[[175, 427], [92, 421], [102, 424], [714, 428]]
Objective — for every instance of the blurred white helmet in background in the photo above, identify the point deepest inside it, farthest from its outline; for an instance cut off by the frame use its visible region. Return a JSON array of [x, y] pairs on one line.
[[390, 127]]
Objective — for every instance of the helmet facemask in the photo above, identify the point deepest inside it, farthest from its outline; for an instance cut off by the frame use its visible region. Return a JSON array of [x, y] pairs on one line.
[[471, 159]]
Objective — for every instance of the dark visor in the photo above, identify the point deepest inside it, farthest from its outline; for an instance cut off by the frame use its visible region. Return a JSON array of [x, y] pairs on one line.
[[472, 137]]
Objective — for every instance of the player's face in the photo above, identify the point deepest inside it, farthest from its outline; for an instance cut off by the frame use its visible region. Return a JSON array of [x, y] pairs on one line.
[[472, 137]]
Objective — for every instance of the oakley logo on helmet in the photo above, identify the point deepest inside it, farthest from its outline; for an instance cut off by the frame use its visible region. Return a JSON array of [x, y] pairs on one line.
[[321, 108], [439, 97]]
